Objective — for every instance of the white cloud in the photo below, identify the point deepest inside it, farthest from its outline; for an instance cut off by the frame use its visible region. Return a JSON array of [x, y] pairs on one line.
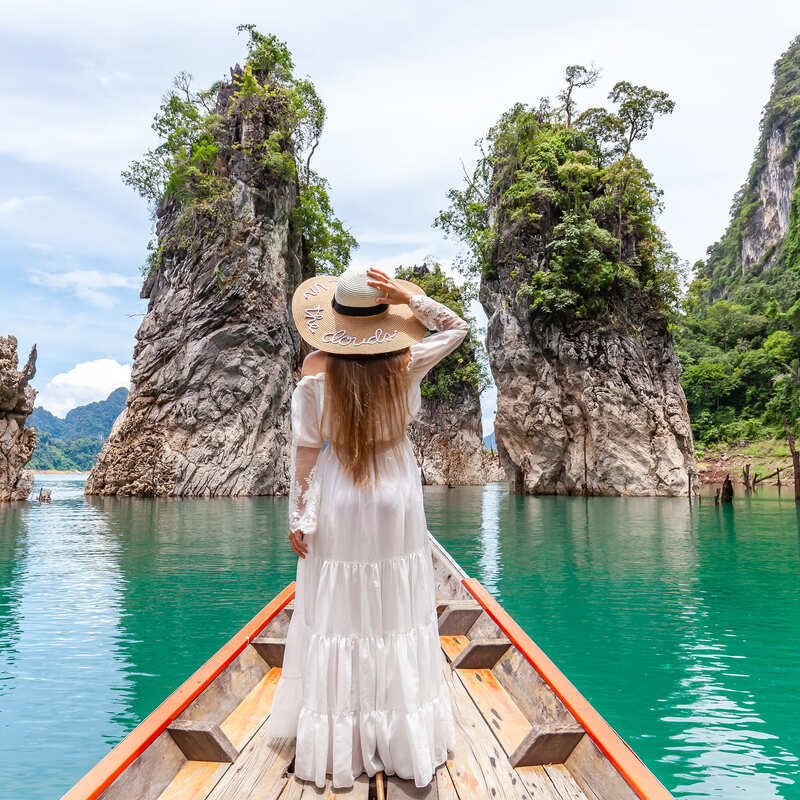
[[86, 382], [86, 284], [16, 203]]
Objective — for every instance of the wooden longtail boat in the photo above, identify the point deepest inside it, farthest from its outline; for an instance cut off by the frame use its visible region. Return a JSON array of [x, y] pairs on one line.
[[523, 730]]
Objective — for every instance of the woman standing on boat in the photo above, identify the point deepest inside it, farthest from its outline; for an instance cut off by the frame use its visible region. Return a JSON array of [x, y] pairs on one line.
[[361, 687]]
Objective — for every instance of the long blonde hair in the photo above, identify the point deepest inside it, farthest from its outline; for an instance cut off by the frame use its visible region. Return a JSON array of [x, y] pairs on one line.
[[365, 409]]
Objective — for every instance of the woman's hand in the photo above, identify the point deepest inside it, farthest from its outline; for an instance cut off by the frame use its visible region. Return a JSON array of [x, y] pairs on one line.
[[298, 545], [391, 291]]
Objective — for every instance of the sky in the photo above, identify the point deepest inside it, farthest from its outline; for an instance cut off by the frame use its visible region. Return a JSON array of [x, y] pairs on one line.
[[408, 89]]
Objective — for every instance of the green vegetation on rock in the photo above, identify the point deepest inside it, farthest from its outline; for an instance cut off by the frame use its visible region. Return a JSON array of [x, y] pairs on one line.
[[558, 198], [190, 163], [723, 265]]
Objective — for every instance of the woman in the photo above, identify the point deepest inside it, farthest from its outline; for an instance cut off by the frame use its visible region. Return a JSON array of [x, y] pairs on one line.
[[361, 686]]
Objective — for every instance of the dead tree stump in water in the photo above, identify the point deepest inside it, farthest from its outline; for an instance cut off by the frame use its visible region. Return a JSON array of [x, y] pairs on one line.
[[727, 490]]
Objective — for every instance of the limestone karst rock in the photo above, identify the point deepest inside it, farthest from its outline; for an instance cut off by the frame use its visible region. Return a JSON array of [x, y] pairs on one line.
[[591, 403], [216, 356], [582, 410], [448, 443], [768, 224], [16, 402]]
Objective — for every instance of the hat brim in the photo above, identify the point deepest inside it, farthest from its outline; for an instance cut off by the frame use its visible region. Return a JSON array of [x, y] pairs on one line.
[[328, 330]]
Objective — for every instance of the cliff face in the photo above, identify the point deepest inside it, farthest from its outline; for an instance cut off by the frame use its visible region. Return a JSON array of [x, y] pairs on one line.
[[766, 207], [16, 402], [448, 443], [582, 410], [768, 223], [214, 363]]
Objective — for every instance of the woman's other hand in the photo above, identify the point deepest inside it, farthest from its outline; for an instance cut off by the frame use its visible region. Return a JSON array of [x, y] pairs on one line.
[[298, 545], [391, 291]]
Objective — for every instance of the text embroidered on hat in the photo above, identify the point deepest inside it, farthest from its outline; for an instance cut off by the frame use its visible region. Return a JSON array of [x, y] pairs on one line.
[[313, 315], [316, 288], [342, 337]]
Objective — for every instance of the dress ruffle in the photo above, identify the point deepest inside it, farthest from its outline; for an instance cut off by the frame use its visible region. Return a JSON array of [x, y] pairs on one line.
[[357, 700]]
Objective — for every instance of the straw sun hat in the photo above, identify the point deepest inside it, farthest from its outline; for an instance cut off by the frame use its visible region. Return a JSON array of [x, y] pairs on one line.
[[340, 314]]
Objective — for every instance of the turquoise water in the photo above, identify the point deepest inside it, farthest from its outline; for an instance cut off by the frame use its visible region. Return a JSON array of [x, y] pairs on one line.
[[681, 624]]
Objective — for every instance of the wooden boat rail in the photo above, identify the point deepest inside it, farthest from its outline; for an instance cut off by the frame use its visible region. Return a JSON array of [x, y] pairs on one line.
[[523, 730], [103, 774], [618, 751]]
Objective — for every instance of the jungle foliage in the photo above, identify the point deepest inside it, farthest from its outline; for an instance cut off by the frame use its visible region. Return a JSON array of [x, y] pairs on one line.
[[738, 337], [559, 200], [195, 144]]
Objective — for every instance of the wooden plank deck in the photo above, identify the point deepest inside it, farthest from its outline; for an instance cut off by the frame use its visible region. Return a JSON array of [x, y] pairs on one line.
[[479, 768]]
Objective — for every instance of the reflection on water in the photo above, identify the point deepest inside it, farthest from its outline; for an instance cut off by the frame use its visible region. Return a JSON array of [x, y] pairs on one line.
[[680, 622]]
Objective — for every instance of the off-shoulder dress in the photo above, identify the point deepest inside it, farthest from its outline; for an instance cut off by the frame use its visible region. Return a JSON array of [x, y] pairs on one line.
[[361, 687]]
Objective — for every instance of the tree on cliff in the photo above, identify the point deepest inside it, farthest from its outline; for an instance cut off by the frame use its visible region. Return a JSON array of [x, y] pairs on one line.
[[560, 196], [187, 163]]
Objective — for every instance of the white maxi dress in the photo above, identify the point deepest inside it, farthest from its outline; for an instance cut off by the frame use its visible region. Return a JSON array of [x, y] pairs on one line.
[[361, 687]]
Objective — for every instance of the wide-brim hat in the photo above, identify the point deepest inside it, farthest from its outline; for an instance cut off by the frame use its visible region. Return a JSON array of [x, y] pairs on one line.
[[340, 314]]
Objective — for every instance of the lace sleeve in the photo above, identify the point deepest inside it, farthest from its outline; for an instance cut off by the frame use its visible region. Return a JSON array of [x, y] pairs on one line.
[[450, 329], [306, 447]]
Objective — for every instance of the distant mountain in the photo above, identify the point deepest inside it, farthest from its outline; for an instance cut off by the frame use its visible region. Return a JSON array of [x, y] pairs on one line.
[[92, 421], [488, 441], [73, 443]]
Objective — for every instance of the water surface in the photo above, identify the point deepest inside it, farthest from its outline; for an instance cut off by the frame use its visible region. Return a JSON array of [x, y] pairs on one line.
[[679, 622]]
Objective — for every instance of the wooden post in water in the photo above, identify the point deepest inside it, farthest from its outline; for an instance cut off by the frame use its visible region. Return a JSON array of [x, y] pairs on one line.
[[795, 458], [746, 476]]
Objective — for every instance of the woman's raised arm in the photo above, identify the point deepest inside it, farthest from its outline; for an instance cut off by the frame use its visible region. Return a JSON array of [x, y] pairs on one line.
[[450, 332]]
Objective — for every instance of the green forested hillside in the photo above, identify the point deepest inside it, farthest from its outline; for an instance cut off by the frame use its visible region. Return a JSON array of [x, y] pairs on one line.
[[64, 454], [73, 443], [739, 337], [94, 420]]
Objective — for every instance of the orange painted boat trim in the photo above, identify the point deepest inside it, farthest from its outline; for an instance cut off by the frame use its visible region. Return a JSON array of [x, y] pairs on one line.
[[103, 774], [618, 752]]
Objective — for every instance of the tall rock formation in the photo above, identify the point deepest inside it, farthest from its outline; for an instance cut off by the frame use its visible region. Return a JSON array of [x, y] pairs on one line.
[[583, 410], [216, 354], [738, 341], [16, 402], [448, 443], [575, 280]]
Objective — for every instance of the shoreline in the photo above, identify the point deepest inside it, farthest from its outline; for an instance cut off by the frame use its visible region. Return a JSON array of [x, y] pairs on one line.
[[713, 463], [59, 471], [763, 455]]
